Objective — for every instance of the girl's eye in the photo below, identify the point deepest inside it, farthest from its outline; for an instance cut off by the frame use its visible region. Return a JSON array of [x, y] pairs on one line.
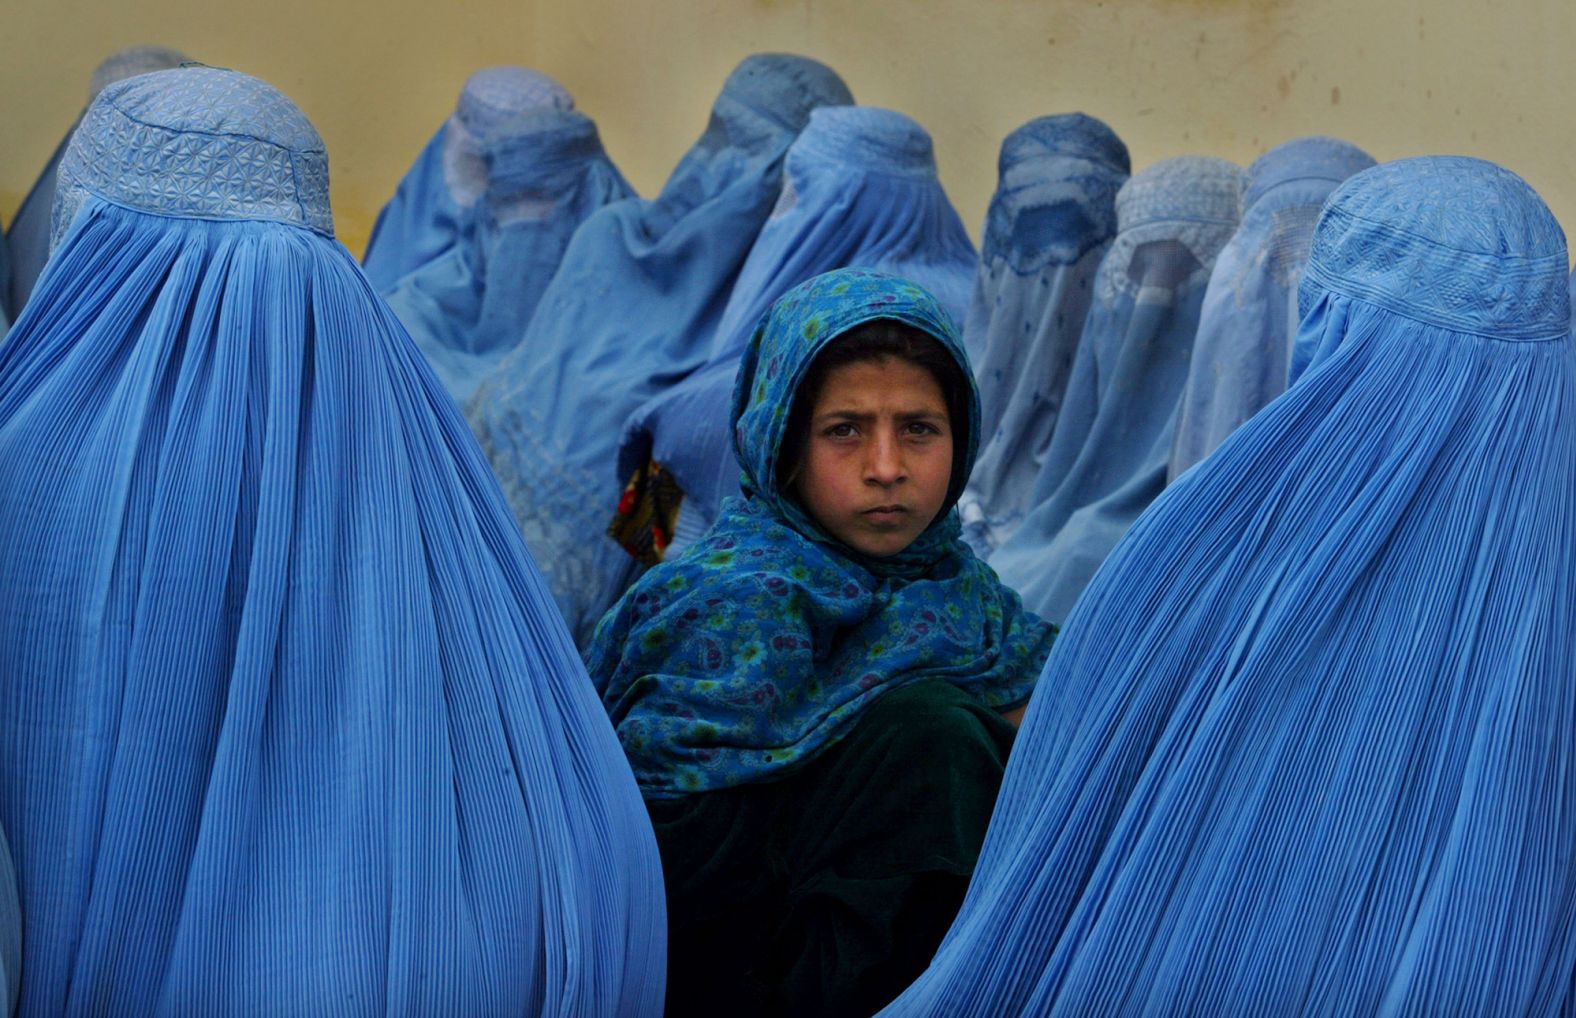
[[922, 428], [843, 430]]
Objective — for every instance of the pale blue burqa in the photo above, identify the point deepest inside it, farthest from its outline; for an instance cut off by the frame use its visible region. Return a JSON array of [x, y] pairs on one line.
[[1306, 746], [28, 235], [546, 174], [860, 191], [634, 308], [1108, 456], [289, 722], [1241, 358], [1048, 227], [431, 210]]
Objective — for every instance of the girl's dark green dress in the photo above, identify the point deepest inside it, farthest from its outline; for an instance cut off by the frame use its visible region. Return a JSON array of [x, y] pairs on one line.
[[816, 733]]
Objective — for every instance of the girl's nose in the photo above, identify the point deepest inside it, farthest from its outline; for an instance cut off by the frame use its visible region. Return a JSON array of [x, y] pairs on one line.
[[884, 464]]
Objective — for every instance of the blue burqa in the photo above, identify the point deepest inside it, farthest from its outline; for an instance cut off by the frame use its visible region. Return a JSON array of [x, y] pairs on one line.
[[1108, 455], [633, 309], [431, 210], [289, 724], [28, 235], [860, 191], [546, 174], [1306, 745], [1049, 224], [1241, 357]]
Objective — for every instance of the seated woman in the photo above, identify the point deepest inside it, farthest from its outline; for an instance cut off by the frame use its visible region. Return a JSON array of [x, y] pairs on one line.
[[811, 695]]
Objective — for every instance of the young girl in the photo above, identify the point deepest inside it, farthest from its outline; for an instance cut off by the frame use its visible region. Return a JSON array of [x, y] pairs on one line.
[[811, 695]]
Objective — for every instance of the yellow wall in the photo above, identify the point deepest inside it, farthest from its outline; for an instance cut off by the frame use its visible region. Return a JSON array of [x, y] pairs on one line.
[[1224, 77]]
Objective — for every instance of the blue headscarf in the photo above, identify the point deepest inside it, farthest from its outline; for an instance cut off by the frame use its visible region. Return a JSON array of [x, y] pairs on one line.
[[760, 645], [1107, 458], [1245, 329], [860, 190], [1049, 224], [633, 309], [288, 720], [1310, 741], [546, 174], [431, 211], [28, 236]]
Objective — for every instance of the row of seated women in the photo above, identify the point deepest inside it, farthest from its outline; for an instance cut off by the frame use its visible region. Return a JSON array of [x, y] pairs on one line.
[[291, 723]]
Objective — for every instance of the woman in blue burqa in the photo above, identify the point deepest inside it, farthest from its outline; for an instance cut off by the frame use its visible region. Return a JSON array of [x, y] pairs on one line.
[[812, 694], [1241, 356], [433, 208], [1050, 223], [632, 310], [1107, 456], [1306, 744], [289, 724], [546, 172]]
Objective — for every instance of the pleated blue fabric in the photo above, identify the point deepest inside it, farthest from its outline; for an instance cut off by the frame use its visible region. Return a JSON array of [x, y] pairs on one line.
[[546, 174], [1107, 457], [1049, 225], [28, 235], [289, 725], [431, 210], [1306, 744], [632, 310], [861, 191], [1242, 354]]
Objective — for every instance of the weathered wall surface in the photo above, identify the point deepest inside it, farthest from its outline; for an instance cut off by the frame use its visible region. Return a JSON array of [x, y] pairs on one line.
[[1222, 77]]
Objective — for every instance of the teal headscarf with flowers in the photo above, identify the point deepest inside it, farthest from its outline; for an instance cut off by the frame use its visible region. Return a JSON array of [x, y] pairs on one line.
[[760, 645]]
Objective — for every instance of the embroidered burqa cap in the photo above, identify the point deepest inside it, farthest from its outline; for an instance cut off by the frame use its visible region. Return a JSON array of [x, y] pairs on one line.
[[28, 235]]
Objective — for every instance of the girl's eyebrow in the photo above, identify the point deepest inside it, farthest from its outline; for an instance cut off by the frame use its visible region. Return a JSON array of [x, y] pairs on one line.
[[869, 415]]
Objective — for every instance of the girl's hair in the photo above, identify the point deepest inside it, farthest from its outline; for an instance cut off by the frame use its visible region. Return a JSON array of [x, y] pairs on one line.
[[870, 341]]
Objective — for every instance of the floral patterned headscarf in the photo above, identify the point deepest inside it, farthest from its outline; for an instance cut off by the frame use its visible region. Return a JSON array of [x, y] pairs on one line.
[[760, 646]]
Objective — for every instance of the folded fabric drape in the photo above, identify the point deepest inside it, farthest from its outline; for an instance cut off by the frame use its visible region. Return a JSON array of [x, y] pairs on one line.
[[1241, 357], [1049, 225], [28, 235], [466, 309], [289, 725], [1107, 458], [860, 190], [431, 209], [633, 309], [1305, 746]]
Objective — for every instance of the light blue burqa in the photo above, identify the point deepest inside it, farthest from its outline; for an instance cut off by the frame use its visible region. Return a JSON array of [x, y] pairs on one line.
[[860, 191], [633, 309], [546, 174], [1241, 357], [1107, 458], [1049, 224], [28, 235], [289, 723], [431, 209], [1306, 746]]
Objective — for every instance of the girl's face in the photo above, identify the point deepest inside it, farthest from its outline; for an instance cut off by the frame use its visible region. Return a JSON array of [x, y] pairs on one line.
[[878, 460]]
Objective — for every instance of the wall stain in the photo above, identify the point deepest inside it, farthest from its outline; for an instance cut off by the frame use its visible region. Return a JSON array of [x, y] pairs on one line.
[[1335, 96]]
